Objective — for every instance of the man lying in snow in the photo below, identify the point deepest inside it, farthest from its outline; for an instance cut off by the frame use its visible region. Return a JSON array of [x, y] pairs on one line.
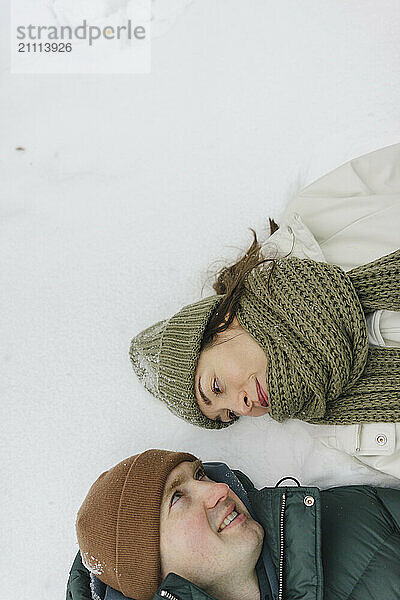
[[163, 525]]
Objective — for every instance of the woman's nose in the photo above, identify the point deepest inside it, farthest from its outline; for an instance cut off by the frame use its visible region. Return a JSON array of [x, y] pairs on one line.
[[244, 404]]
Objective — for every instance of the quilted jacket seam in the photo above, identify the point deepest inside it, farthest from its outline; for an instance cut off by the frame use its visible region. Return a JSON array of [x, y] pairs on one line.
[[387, 511], [382, 544]]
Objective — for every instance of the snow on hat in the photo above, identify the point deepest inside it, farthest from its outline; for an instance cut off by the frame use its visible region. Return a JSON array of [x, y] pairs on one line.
[[165, 355], [118, 524]]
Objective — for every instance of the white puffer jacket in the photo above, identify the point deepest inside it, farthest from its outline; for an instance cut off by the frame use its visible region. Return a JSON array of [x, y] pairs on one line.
[[350, 217]]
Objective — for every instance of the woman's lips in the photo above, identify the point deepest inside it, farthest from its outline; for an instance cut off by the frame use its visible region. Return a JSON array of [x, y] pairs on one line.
[[262, 396]]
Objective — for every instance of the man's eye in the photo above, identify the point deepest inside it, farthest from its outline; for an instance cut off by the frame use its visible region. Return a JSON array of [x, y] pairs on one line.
[[215, 387], [232, 416], [175, 497]]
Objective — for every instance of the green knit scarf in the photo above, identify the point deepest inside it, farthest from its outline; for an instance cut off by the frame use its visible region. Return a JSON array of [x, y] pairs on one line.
[[309, 318]]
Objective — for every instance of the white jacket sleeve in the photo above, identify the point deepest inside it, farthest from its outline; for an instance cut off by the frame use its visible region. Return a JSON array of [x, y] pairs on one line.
[[354, 211]]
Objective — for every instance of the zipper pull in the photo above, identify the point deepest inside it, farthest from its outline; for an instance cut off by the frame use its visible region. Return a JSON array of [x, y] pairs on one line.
[[168, 595]]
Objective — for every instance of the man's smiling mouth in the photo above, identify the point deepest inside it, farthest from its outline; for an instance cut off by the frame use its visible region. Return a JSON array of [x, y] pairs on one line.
[[230, 516]]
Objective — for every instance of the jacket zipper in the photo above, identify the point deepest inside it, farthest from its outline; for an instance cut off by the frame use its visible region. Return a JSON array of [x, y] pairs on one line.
[[281, 532], [168, 595]]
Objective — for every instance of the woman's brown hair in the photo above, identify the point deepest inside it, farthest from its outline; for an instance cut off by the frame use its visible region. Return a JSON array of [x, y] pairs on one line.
[[230, 282]]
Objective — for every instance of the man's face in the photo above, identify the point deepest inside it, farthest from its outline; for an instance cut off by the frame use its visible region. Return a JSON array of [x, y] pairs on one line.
[[195, 540]]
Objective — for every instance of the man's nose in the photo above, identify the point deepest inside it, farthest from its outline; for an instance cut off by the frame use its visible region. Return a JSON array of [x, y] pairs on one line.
[[214, 493]]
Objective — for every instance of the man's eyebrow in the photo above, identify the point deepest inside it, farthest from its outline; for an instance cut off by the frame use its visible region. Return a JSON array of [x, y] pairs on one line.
[[181, 478], [206, 400]]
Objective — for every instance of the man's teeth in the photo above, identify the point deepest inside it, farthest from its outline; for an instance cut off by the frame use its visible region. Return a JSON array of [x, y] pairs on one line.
[[228, 520]]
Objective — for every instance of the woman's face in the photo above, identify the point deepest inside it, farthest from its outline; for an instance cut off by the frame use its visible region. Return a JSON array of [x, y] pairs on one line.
[[230, 378]]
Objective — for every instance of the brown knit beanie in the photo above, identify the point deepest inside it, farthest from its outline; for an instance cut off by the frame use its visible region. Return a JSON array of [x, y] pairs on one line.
[[118, 524]]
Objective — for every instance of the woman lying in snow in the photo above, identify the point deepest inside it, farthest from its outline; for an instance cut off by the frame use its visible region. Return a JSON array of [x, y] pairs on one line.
[[295, 325]]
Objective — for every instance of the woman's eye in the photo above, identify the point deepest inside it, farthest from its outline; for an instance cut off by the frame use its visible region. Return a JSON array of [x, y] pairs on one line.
[[215, 387]]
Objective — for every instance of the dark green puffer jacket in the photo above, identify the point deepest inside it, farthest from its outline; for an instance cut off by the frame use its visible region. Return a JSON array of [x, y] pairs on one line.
[[338, 544]]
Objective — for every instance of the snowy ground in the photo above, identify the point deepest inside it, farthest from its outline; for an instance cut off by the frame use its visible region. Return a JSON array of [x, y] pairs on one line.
[[128, 190]]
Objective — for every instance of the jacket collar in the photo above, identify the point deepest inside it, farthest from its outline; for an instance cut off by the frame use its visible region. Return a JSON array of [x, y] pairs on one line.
[[291, 517]]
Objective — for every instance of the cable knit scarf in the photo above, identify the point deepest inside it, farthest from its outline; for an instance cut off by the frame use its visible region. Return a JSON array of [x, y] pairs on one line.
[[309, 318]]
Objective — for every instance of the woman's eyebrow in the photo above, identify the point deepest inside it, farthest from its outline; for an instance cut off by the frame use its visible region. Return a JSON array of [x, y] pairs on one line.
[[206, 400]]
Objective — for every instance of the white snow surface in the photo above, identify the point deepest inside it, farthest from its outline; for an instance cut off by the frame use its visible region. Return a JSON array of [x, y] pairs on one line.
[[129, 192]]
